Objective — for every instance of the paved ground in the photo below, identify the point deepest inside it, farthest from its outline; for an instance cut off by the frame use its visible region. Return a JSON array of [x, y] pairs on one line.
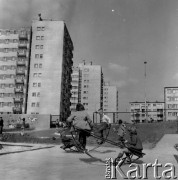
[[55, 164]]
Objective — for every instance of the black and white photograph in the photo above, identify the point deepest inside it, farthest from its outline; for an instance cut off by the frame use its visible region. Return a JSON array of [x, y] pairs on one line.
[[88, 89]]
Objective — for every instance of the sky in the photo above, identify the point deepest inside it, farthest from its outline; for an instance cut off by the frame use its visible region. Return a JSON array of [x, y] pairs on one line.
[[119, 35]]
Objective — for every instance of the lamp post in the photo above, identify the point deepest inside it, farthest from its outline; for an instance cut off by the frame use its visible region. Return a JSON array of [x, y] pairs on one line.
[[145, 92]]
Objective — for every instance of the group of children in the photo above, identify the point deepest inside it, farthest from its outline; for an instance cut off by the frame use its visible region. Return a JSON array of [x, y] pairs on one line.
[[81, 120]]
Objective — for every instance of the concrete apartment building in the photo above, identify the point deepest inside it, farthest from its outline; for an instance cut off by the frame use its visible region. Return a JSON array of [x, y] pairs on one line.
[[14, 69], [154, 111], [50, 69], [90, 87], [75, 88], [110, 101], [171, 103]]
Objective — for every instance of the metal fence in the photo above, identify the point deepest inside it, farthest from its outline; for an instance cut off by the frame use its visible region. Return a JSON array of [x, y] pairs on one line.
[[156, 115]]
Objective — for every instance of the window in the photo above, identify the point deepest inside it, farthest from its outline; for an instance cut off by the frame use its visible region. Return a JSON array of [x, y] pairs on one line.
[[37, 104], [41, 56], [5, 50], [41, 47], [39, 84], [34, 84], [33, 94], [11, 85], [86, 81], [86, 69], [38, 28], [6, 41], [39, 74], [36, 56], [35, 65], [33, 104], [40, 65], [42, 37], [34, 74], [37, 37], [37, 47], [38, 94]]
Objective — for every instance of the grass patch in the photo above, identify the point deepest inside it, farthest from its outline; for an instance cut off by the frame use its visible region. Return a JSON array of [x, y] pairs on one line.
[[150, 134]]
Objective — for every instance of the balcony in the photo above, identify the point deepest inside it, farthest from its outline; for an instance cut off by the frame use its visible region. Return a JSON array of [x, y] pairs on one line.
[[17, 110], [22, 46], [19, 81], [18, 100], [23, 36], [22, 54], [20, 72], [18, 90], [21, 63]]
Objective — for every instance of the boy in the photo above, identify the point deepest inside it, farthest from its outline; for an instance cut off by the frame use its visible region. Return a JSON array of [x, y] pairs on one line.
[[67, 141], [105, 123], [121, 130], [133, 144]]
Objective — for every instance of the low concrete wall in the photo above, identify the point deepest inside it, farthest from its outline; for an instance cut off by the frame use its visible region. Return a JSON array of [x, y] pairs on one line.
[[36, 121]]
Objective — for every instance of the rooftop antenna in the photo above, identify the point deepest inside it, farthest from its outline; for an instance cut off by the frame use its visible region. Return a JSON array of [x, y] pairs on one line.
[[40, 19]]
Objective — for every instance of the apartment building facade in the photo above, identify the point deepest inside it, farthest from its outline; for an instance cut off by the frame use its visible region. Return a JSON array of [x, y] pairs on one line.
[[50, 69], [14, 69], [75, 88], [171, 103], [154, 111], [90, 87], [110, 101]]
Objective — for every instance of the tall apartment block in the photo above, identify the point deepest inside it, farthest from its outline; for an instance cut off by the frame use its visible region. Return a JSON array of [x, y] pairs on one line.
[[50, 69], [110, 101], [154, 111], [171, 103], [14, 69], [90, 87], [75, 88]]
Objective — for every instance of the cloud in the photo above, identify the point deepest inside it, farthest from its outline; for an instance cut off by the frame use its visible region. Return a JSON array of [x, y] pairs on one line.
[[117, 67], [123, 83], [20, 13]]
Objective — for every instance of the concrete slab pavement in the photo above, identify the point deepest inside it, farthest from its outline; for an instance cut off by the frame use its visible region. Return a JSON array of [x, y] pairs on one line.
[[56, 164]]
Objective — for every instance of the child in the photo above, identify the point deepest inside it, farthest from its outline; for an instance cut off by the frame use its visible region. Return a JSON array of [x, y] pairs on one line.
[[105, 123], [121, 130], [67, 141], [133, 144]]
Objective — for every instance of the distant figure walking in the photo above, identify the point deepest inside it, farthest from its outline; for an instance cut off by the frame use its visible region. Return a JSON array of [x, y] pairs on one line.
[[105, 123], [1, 125]]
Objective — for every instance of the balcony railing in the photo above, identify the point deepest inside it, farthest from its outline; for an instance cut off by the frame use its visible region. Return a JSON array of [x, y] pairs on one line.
[[18, 90], [23, 36], [21, 53], [22, 46], [18, 100], [21, 63], [20, 72], [19, 81]]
